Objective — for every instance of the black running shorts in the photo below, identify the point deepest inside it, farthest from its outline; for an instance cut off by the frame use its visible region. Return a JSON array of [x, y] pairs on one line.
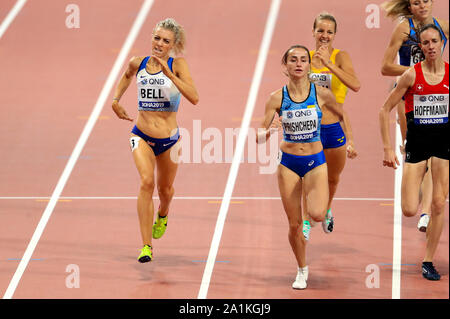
[[420, 147]]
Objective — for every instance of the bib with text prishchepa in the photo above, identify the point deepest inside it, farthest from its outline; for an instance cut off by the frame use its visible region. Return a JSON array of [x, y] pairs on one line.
[[300, 124], [430, 109]]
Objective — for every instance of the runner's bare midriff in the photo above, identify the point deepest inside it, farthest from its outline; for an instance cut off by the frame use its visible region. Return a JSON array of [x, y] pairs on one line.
[[157, 124]]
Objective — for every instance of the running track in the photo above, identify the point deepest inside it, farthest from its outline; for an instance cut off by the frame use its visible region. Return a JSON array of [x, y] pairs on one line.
[[51, 80]]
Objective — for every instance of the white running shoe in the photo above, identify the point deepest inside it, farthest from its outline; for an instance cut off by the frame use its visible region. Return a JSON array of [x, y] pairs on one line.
[[306, 229], [328, 222], [302, 277], [423, 223]]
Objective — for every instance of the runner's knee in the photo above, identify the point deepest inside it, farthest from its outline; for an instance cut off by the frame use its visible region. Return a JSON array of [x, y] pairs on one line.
[[333, 181], [438, 205], [165, 190], [409, 210], [317, 214], [147, 183]]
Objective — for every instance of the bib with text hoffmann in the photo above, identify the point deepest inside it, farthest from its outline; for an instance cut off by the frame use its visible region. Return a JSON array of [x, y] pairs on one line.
[[431, 109]]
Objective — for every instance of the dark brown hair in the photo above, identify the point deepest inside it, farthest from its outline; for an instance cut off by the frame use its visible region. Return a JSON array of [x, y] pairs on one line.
[[426, 27], [296, 46]]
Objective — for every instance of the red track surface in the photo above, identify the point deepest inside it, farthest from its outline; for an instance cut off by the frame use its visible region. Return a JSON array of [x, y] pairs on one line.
[[51, 79]]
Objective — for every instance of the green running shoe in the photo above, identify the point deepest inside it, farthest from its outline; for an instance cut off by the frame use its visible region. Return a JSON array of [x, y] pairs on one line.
[[328, 222], [159, 227], [306, 229], [146, 254]]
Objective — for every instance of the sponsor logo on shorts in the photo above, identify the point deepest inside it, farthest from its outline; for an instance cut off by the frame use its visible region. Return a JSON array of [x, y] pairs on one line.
[[311, 163]]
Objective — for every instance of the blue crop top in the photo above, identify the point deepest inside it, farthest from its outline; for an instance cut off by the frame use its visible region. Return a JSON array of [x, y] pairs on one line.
[[301, 120]]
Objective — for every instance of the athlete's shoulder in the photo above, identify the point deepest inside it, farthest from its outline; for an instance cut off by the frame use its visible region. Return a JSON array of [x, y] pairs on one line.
[[342, 55], [179, 61], [409, 76], [275, 97], [277, 93], [402, 29], [444, 25], [179, 65], [135, 62]]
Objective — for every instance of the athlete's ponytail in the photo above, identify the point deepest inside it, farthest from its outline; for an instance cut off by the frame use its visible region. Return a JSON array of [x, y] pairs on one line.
[[397, 8], [177, 29]]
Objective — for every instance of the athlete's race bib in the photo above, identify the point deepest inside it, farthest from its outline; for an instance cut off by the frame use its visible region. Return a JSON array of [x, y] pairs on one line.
[[322, 79], [154, 93], [300, 124], [416, 54], [431, 109]]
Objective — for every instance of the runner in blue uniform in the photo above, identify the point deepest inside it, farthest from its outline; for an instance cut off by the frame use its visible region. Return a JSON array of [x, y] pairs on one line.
[[299, 105], [161, 80]]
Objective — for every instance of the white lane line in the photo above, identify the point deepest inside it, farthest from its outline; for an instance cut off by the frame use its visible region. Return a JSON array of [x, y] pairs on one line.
[[140, 19], [186, 198], [11, 16], [251, 101], [397, 240]]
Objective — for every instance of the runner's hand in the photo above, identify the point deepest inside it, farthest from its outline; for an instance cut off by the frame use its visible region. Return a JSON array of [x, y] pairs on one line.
[[120, 112], [351, 152], [164, 66], [323, 54], [402, 149], [276, 124], [390, 159]]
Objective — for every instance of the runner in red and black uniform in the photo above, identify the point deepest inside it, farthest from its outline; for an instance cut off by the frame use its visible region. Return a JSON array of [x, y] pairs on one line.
[[426, 90]]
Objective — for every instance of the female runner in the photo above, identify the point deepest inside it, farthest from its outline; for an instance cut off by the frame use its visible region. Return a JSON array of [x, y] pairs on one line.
[[426, 90], [332, 68], [414, 14], [300, 105], [161, 80]]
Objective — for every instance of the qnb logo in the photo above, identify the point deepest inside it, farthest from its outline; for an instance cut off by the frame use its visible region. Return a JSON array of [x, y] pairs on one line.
[[436, 98], [303, 113], [433, 98], [159, 81]]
